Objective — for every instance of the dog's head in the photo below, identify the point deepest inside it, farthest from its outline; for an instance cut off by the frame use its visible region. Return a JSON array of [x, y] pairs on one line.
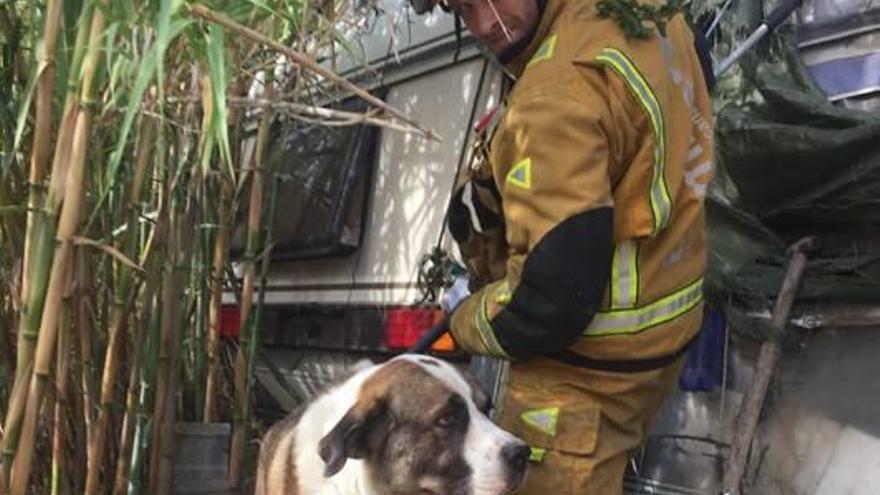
[[421, 428]]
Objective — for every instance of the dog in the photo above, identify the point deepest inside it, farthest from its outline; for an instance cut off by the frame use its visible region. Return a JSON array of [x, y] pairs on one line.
[[413, 425]]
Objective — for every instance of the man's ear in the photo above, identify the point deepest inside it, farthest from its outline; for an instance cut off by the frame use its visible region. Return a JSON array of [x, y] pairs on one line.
[[349, 438]]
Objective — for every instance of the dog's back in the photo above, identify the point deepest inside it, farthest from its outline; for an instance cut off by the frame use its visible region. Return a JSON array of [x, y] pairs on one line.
[[276, 466]]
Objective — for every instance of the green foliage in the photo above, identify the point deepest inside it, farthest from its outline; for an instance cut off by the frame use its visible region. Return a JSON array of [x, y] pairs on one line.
[[634, 17]]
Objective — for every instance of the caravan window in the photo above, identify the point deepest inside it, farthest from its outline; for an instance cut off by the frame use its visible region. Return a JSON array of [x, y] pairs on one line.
[[322, 175]]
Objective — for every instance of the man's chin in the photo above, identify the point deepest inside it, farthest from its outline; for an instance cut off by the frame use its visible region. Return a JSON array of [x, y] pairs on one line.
[[510, 52]]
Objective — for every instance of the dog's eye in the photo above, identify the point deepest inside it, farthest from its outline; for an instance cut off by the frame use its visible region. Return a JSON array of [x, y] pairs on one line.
[[448, 418], [453, 414]]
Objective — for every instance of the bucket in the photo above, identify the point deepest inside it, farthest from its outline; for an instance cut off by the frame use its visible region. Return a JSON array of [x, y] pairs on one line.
[[201, 459]]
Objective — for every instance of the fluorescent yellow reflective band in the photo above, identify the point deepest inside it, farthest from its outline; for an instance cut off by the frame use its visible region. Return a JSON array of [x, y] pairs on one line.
[[502, 294], [545, 51], [661, 205], [629, 321], [521, 174], [625, 275], [543, 420], [484, 328], [537, 454]]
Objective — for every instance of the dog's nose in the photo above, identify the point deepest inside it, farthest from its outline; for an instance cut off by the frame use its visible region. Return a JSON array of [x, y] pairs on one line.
[[516, 455]]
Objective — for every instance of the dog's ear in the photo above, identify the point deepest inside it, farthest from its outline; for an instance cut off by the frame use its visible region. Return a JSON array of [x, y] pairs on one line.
[[350, 437]]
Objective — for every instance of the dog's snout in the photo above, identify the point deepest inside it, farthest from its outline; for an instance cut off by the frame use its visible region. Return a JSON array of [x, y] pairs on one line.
[[516, 455]]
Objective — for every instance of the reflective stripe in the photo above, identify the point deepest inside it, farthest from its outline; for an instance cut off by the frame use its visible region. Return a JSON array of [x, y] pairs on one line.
[[537, 454], [630, 321], [625, 275], [521, 174], [484, 329], [502, 294], [545, 51], [661, 205], [543, 420]]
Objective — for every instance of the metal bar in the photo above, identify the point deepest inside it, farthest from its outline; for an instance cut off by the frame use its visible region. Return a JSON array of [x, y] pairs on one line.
[[718, 16], [754, 38], [776, 17], [433, 335]]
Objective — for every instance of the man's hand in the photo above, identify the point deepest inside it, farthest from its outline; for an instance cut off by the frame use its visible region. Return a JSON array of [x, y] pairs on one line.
[[454, 295]]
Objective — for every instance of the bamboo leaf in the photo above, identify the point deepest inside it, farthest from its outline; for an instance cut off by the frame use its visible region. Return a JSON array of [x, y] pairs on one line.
[[145, 74], [12, 209], [220, 79], [24, 111], [112, 251]]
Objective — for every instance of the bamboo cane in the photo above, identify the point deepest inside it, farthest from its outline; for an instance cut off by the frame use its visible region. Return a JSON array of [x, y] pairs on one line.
[[252, 247], [108, 386], [170, 356], [121, 310], [216, 295], [142, 161], [44, 243], [68, 222], [40, 151], [84, 329], [59, 439], [17, 402], [153, 293]]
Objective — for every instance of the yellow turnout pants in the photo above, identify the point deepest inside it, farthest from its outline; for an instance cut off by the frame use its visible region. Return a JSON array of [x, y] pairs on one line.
[[582, 424]]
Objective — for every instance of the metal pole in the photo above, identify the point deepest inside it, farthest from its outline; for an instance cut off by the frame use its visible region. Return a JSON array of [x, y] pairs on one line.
[[776, 17]]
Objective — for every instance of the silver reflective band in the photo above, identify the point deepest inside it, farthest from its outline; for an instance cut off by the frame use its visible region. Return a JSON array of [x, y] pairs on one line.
[[661, 204], [630, 321], [625, 275]]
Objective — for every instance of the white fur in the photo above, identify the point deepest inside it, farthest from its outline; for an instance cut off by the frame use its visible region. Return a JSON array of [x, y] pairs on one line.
[[482, 446], [483, 442]]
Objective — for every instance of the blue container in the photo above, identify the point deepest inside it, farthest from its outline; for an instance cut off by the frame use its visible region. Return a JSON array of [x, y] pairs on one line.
[[704, 367]]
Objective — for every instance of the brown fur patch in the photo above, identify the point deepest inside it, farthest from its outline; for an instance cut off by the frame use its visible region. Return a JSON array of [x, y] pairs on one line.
[[273, 450]]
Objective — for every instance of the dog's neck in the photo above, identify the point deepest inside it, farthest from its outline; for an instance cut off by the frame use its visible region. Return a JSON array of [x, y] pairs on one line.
[[353, 479]]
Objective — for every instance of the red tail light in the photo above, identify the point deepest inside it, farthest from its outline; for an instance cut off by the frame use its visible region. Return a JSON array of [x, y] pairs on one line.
[[404, 326], [230, 320]]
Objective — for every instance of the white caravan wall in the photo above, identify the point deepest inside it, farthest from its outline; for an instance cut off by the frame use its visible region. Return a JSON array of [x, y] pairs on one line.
[[394, 32], [412, 182]]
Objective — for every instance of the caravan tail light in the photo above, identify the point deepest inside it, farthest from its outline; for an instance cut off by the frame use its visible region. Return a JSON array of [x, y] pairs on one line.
[[230, 320], [404, 326]]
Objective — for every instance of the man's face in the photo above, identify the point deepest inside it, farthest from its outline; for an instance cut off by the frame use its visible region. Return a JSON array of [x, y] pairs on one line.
[[498, 24]]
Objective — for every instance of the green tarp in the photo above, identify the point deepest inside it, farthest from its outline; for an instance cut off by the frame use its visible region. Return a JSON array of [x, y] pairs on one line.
[[791, 164]]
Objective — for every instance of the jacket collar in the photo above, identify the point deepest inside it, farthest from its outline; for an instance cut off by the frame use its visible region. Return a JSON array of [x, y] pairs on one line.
[[551, 13]]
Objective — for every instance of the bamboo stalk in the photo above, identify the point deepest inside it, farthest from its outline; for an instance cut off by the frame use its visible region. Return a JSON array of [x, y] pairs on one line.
[[216, 287], [42, 231], [126, 291], [304, 61], [215, 303], [40, 151], [17, 403], [84, 328], [153, 293], [44, 244], [142, 160], [108, 388], [70, 212], [59, 439], [170, 357], [252, 247]]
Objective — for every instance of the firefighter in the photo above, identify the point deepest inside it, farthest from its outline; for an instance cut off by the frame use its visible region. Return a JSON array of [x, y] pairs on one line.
[[583, 229]]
